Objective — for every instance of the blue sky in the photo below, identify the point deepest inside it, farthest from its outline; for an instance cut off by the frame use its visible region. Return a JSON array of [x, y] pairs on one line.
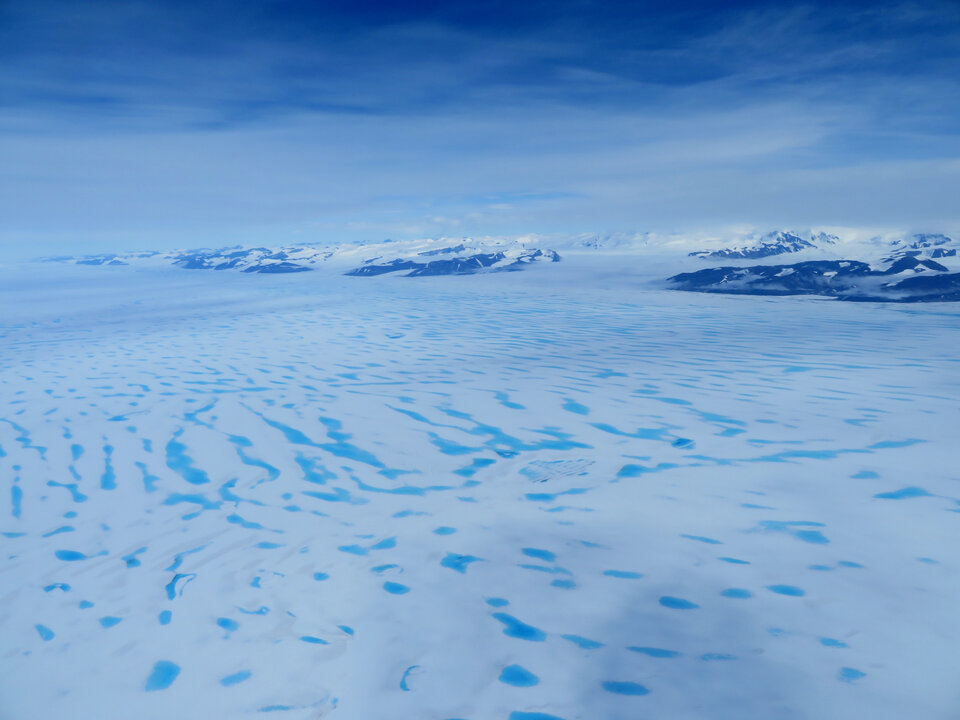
[[127, 124]]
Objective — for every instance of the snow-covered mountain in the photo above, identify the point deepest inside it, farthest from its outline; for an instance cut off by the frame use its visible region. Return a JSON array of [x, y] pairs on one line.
[[906, 280], [847, 265], [931, 246], [904, 268], [778, 242], [917, 268], [458, 265], [419, 257]]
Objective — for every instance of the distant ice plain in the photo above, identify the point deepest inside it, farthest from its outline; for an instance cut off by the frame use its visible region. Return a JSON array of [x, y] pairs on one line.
[[556, 491]]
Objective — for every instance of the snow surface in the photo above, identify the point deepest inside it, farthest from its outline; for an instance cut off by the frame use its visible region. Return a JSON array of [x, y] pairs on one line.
[[552, 494]]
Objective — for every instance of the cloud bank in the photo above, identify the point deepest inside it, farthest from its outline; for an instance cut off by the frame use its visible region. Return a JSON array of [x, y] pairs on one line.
[[181, 124]]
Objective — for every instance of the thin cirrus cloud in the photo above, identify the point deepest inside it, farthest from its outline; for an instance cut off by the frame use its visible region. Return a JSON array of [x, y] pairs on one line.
[[130, 124]]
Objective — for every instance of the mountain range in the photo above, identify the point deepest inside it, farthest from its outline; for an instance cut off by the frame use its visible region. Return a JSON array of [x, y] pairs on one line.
[[855, 266]]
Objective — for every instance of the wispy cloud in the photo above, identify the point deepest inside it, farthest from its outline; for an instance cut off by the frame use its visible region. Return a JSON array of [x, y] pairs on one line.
[[171, 122]]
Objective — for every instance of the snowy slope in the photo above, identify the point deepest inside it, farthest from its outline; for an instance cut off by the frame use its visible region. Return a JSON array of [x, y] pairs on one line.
[[547, 495]]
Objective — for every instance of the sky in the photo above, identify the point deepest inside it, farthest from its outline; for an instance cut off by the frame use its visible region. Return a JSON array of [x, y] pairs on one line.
[[128, 124]]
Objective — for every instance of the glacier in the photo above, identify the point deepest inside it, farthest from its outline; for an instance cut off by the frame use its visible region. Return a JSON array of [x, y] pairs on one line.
[[563, 493]]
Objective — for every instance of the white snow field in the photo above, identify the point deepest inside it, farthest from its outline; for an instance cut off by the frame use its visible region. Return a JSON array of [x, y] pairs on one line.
[[524, 496]]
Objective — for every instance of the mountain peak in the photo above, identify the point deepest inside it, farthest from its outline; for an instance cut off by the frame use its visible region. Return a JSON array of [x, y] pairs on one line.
[[776, 242]]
